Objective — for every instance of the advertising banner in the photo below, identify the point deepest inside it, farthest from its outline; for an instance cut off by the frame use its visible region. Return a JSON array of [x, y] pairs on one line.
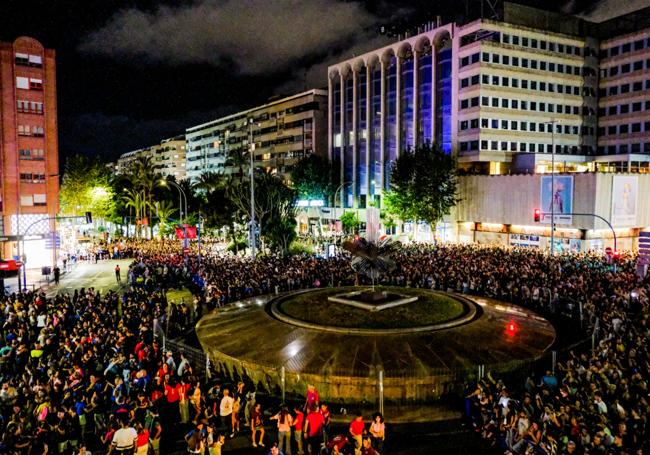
[[557, 197], [624, 199]]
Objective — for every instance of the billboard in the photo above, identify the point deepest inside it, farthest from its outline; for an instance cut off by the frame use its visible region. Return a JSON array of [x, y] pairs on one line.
[[624, 199], [557, 197]]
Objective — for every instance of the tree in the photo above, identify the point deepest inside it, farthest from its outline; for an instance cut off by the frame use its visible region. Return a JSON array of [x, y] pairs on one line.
[[274, 208], [164, 210], [86, 187], [313, 177], [349, 222], [423, 185], [208, 181]]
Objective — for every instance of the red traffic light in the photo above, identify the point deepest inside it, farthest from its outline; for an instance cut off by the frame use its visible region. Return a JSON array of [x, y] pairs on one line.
[[537, 215]]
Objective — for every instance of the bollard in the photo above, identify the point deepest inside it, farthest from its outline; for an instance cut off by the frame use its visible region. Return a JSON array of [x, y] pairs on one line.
[[381, 391], [283, 381]]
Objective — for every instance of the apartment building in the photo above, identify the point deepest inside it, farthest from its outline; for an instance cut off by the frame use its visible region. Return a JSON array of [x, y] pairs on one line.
[[167, 157], [29, 184], [281, 132]]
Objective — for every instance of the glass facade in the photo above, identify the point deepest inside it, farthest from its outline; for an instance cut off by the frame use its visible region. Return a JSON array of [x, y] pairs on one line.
[[407, 103], [375, 116], [348, 138], [362, 155], [425, 133], [362, 139], [443, 99]]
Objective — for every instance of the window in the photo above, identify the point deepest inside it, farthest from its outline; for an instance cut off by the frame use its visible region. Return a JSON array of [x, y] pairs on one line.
[[504, 124], [22, 59], [464, 104], [613, 51], [505, 81], [623, 129], [613, 71], [523, 126], [533, 85], [464, 61], [543, 45], [495, 102], [515, 82], [495, 125], [484, 145], [24, 154], [613, 90], [464, 83], [638, 45], [515, 61], [23, 130], [524, 105], [38, 131], [39, 200], [625, 88], [533, 126], [474, 101], [36, 61], [495, 58], [542, 86], [35, 84], [26, 201], [531, 147], [504, 102], [22, 82], [485, 79], [38, 154], [514, 125], [533, 65], [627, 47], [485, 101], [533, 43], [638, 65], [515, 40], [494, 145], [524, 41], [625, 68], [524, 84], [485, 57], [624, 108], [636, 107], [514, 104], [506, 60], [551, 66], [463, 125], [484, 123], [495, 80], [636, 127]]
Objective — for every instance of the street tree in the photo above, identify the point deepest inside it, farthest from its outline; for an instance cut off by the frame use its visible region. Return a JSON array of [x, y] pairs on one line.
[[86, 187], [422, 185], [313, 177]]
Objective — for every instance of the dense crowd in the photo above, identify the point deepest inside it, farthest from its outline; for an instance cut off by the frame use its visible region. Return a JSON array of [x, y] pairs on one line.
[[86, 366]]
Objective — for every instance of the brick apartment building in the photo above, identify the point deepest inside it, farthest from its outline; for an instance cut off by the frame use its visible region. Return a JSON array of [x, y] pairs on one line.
[[29, 158]]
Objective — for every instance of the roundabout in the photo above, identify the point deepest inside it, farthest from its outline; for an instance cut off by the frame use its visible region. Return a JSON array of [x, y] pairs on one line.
[[415, 352]]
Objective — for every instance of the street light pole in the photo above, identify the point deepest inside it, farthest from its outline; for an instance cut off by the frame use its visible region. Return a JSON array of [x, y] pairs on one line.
[[181, 196], [552, 123], [338, 190], [251, 152]]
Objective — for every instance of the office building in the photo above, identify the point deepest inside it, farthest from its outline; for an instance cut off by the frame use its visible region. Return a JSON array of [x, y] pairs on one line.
[[281, 132], [29, 149], [505, 96]]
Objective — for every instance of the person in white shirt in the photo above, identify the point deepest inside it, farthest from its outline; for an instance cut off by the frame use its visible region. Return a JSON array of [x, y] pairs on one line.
[[124, 439], [225, 410]]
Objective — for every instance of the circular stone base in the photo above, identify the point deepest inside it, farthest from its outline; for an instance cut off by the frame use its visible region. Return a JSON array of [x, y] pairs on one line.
[[245, 339]]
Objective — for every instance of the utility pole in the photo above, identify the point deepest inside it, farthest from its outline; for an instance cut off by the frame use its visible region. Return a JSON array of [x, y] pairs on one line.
[[552, 122], [251, 152]]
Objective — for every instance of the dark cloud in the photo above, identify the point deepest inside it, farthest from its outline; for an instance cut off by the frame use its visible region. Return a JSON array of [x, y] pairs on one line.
[[261, 36]]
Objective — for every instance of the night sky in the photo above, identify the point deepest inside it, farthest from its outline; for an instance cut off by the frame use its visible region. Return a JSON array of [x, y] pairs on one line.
[[135, 71]]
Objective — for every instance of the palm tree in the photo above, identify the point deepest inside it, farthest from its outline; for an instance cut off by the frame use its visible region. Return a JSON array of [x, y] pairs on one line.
[[164, 211], [238, 158], [208, 181], [134, 199], [144, 178]]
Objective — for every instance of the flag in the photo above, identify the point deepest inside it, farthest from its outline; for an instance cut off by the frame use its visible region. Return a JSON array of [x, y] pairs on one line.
[[191, 232], [179, 233]]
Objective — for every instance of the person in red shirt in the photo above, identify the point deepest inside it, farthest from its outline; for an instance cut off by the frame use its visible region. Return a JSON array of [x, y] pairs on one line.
[[298, 423], [326, 421], [312, 398], [357, 428], [173, 395], [313, 430]]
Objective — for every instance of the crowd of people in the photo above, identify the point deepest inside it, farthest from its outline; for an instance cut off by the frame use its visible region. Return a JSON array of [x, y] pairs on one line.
[[86, 367]]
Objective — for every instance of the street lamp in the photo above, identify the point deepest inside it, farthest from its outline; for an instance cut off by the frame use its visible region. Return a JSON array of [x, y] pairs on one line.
[[181, 196], [338, 190], [251, 153], [552, 122]]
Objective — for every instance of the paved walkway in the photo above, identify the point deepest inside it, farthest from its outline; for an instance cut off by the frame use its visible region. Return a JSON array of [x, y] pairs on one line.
[[82, 275]]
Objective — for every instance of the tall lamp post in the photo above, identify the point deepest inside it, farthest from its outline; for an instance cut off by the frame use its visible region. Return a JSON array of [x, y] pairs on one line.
[[338, 190], [181, 196], [251, 154], [552, 122]]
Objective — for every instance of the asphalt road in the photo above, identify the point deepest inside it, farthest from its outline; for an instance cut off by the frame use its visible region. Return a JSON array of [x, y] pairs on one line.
[[101, 276]]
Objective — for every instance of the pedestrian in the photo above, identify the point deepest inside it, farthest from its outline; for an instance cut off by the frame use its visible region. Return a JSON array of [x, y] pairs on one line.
[[357, 427], [298, 423], [327, 417], [57, 275], [257, 425], [313, 430], [311, 399], [367, 448], [118, 276], [125, 439], [377, 431], [142, 443], [225, 411], [194, 439], [285, 421]]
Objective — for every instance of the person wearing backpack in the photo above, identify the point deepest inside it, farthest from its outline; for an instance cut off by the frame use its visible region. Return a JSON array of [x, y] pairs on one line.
[[194, 439]]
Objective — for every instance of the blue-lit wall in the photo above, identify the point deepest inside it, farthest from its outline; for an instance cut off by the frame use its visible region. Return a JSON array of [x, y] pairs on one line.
[[444, 97]]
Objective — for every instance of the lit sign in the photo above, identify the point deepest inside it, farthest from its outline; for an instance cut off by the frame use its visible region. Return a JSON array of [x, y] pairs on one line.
[[310, 203]]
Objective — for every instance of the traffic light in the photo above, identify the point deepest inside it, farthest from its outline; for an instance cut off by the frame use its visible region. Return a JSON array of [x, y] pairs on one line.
[[616, 255], [89, 218], [537, 215]]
